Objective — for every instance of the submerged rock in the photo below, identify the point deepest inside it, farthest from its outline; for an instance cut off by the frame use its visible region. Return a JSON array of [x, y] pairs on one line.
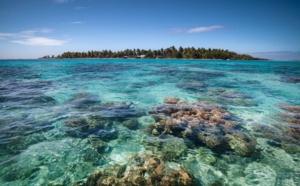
[[83, 101], [107, 134], [290, 79], [15, 95], [167, 147], [32, 76], [120, 111], [19, 132], [138, 85], [131, 124], [285, 136], [42, 100], [286, 132], [290, 108], [77, 122], [231, 97], [113, 110], [171, 100], [201, 75], [292, 117], [91, 155], [26, 101], [202, 123], [241, 143], [192, 86], [99, 68], [104, 120], [91, 125], [142, 169], [98, 144]]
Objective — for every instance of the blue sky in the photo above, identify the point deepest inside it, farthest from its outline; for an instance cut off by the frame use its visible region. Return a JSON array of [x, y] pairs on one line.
[[263, 28]]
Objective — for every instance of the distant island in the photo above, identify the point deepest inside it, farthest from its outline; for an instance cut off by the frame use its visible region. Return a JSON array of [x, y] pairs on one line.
[[171, 52]]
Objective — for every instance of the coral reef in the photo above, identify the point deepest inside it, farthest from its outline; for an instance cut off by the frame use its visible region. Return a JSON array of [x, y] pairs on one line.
[[139, 85], [202, 123], [19, 132], [167, 147], [102, 119], [99, 68], [171, 100], [292, 119], [290, 78], [16, 95], [120, 111], [131, 124], [142, 169], [114, 110], [292, 115], [83, 101], [92, 124], [286, 132], [98, 144], [231, 97], [192, 85], [260, 174]]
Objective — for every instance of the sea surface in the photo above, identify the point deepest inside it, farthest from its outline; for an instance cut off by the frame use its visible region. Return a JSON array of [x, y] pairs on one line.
[[64, 120]]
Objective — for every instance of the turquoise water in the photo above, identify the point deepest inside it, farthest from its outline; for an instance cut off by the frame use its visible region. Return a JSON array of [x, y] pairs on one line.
[[63, 120]]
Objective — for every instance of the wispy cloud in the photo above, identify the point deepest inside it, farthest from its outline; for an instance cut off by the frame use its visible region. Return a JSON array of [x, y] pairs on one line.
[[77, 23], [30, 37], [63, 1], [79, 8], [34, 31], [34, 41], [4, 35], [199, 29], [205, 29]]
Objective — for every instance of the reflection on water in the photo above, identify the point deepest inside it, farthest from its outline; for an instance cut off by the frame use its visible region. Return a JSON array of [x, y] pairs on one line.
[[155, 122]]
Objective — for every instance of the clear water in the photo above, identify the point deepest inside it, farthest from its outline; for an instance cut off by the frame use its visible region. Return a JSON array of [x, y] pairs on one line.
[[38, 98]]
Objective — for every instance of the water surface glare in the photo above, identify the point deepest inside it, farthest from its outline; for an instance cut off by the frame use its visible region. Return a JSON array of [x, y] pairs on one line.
[[188, 122]]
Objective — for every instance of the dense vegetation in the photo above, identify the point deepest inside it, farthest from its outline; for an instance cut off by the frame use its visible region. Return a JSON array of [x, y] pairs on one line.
[[171, 52]]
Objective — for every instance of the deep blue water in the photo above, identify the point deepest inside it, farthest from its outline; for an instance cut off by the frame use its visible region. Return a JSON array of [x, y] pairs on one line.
[[61, 120]]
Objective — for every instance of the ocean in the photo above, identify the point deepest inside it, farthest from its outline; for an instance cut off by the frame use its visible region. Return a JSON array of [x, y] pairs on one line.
[[149, 121]]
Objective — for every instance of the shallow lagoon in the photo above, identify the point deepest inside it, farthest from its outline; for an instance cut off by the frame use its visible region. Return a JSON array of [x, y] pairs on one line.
[[64, 120]]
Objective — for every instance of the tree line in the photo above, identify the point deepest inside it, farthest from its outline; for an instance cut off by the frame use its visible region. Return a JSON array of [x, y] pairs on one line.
[[171, 52]]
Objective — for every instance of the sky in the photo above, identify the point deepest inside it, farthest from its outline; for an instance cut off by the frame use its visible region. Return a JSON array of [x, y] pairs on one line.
[[261, 28]]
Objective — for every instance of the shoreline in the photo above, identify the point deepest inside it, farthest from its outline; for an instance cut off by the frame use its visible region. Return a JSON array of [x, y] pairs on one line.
[[162, 59], [265, 60]]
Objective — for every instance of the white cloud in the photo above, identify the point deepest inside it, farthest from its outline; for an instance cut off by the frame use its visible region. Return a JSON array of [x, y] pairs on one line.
[[41, 41], [29, 37], [26, 33], [77, 22], [5, 35], [204, 29], [34, 31]]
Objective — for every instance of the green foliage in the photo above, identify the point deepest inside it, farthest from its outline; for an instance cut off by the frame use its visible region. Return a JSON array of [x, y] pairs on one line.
[[171, 52]]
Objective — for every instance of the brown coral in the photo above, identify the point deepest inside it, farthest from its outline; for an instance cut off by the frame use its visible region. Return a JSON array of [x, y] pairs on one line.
[[143, 169], [171, 100], [202, 123], [292, 117]]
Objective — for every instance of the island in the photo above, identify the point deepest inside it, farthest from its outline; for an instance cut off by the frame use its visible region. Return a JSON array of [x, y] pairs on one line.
[[167, 53]]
